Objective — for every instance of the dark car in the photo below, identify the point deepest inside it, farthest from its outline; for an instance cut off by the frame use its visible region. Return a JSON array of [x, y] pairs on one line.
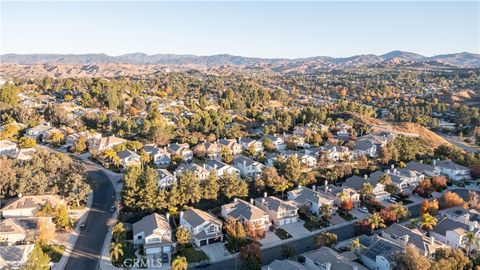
[[83, 226], [164, 258], [112, 208], [202, 264]]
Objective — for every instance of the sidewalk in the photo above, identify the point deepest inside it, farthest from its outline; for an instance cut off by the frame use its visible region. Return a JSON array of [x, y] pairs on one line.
[[73, 236]]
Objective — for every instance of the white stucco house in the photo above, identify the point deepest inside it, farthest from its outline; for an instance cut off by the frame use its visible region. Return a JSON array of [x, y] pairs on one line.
[[153, 232], [206, 229]]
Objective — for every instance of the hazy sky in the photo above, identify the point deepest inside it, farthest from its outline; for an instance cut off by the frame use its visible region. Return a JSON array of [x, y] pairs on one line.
[[263, 29]]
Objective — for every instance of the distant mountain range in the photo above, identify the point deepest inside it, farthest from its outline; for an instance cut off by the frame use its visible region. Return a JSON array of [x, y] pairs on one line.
[[463, 59], [102, 65]]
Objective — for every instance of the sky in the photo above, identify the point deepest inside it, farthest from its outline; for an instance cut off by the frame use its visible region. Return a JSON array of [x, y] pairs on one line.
[[256, 29]]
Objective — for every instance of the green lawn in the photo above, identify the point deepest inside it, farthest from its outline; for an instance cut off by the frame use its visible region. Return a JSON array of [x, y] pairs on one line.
[[313, 225], [282, 234], [345, 216], [54, 251], [192, 254]]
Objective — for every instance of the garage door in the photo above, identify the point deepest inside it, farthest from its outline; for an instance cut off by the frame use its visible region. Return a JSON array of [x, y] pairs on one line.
[[214, 240], [152, 250], [167, 249], [203, 243]]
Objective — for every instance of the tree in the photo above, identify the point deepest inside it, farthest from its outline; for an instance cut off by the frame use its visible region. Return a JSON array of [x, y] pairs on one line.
[[251, 150], [45, 231], [119, 232], [376, 221], [471, 241], [439, 182], [425, 206], [227, 155], [424, 188], [288, 251], [116, 251], [9, 94], [347, 205], [366, 192], [149, 189], [326, 211], [325, 239], [452, 199], [251, 255], [355, 246], [80, 145], [56, 138], [389, 217], [428, 222], [400, 210], [210, 187], [448, 258], [293, 169], [232, 186], [37, 259], [180, 263], [131, 189], [273, 180], [27, 142], [61, 218], [411, 259], [268, 145], [183, 236]]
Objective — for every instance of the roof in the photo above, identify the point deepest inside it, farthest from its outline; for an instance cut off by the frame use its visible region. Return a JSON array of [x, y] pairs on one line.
[[447, 224], [363, 145], [162, 173], [275, 204], [216, 164], [284, 265], [127, 153], [150, 223], [32, 201], [325, 255], [191, 167], [450, 165], [382, 247], [246, 140], [355, 182], [11, 226], [375, 177], [7, 144], [303, 195], [242, 209], [415, 237], [419, 167], [17, 253], [24, 154], [244, 159], [196, 217], [227, 142]]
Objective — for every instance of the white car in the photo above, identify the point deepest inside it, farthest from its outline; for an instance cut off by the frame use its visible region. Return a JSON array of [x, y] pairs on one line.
[[391, 199], [363, 209]]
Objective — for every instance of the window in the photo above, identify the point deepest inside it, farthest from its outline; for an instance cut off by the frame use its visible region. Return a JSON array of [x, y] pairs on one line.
[[139, 237]]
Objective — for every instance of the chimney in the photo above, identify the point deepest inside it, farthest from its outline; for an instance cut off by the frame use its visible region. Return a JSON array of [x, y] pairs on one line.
[[239, 138], [475, 224], [215, 166], [365, 176], [244, 163], [471, 226], [392, 166], [263, 201], [204, 166], [265, 194], [432, 240], [235, 200], [434, 162], [251, 200], [314, 188], [328, 266], [467, 218], [167, 216], [421, 161]]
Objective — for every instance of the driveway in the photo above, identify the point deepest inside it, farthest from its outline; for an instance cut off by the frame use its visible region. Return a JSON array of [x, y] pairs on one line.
[[270, 239], [215, 251], [358, 214], [296, 229]]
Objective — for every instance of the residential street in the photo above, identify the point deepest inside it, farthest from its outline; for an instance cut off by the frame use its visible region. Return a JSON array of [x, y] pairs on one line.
[[88, 247], [459, 143]]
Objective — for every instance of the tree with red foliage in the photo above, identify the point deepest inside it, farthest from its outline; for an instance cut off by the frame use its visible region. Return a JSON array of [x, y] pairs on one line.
[[347, 205], [362, 227], [439, 182], [424, 188], [388, 216]]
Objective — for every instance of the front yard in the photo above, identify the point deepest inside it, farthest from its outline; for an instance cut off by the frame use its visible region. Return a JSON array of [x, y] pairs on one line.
[[54, 251], [192, 254], [282, 234]]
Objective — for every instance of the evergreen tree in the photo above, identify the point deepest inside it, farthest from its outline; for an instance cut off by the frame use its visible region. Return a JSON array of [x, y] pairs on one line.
[[210, 187], [130, 193], [37, 260], [149, 189]]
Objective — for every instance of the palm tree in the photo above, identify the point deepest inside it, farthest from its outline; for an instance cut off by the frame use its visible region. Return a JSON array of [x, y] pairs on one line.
[[414, 222], [471, 241], [343, 195], [116, 251], [376, 221], [180, 263], [118, 231], [428, 221], [400, 210], [355, 246]]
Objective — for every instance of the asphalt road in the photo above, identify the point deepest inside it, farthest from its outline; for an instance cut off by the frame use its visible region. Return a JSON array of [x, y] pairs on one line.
[[88, 248], [455, 140]]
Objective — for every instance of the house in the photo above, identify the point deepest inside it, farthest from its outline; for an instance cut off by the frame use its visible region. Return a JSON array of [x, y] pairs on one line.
[[343, 130], [402, 236], [342, 193], [91, 136], [7, 148], [405, 179], [165, 179], [154, 233], [380, 254], [37, 131], [465, 216], [356, 183], [453, 233], [107, 143], [160, 156], [231, 144], [206, 229], [326, 258], [13, 257], [310, 198], [423, 168], [181, 150], [210, 150], [200, 171], [295, 140], [246, 212], [284, 265], [11, 231], [27, 206], [335, 152], [24, 154], [129, 158], [452, 170], [365, 148], [246, 143], [221, 168], [307, 159], [280, 212], [277, 141], [248, 167], [47, 134]]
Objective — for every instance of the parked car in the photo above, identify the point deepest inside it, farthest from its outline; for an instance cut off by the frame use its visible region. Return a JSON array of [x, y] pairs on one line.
[[83, 226], [112, 208], [363, 209], [392, 200], [164, 258]]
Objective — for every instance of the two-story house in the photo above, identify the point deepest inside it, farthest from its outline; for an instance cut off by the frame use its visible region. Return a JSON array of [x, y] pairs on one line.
[[452, 170], [181, 150], [277, 141], [280, 212], [248, 167], [106, 143], [165, 179], [402, 236], [154, 233], [206, 229], [129, 158], [209, 150], [160, 156], [8, 148], [453, 233], [309, 198], [231, 144], [28, 206], [200, 171], [246, 143], [221, 168], [246, 212]]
